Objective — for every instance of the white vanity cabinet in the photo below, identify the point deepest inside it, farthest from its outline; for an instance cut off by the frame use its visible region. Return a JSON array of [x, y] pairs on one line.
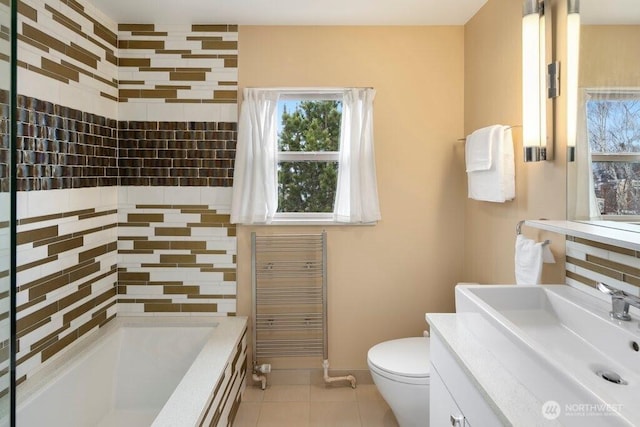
[[454, 398]]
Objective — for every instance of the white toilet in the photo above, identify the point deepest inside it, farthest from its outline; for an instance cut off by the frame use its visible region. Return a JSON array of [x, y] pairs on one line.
[[400, 370]]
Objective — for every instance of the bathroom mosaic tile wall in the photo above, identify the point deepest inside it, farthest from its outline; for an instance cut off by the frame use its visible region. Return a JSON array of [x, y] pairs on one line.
[[177, 153], [177, 93], [60, 147], [178, 72], [176, 251], [5, 129], [589, 262], [178, 64], [66, 270], [5, 285], [5, 215], [79, 232], [67, 54], [225, 399], [5, 42]]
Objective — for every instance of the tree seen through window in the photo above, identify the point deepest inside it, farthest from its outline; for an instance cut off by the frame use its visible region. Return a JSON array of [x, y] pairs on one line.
[[308, 145]]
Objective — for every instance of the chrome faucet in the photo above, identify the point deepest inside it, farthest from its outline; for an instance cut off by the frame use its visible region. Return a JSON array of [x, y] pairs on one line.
[[620, 301]]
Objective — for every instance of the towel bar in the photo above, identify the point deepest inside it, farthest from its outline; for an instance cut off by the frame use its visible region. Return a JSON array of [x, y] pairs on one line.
[[519, 231], [508, 127]]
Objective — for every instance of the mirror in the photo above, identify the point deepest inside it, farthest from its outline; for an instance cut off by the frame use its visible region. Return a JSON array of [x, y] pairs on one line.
[[604, 180]]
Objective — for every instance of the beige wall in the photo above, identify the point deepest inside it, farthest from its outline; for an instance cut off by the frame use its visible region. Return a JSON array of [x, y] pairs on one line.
[[493, 71], [434, 84], [609, 56], [383, 278]]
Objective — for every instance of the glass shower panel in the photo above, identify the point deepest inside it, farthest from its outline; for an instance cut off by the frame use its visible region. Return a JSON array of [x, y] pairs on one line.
[[5, 211]]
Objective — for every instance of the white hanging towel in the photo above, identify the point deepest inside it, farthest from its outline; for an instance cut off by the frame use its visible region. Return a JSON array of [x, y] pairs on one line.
[[530, 255], [490, 165], [478, 149]]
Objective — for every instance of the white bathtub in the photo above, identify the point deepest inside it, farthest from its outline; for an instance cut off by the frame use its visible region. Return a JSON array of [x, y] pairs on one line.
[[142, 372]]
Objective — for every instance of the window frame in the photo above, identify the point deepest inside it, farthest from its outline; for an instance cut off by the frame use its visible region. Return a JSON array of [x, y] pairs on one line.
[[308, 218]]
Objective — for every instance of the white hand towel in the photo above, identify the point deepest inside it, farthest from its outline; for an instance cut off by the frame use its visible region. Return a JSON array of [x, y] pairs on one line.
[[478, 148], [529, 257], [547, 255], [496, 184]]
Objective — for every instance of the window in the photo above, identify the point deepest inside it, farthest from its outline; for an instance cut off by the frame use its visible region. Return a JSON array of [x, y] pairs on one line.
[[305, 156], [613, 133], [308, 154]]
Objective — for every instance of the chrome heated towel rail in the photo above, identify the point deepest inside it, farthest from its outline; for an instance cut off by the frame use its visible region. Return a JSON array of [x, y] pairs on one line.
[[289, 274]]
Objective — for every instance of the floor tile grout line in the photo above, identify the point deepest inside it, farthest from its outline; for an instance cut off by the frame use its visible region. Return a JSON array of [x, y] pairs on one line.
[[357, 400]]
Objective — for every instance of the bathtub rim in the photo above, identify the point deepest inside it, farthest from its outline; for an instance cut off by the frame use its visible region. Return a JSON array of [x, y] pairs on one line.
[[187, 404], [225, 334]]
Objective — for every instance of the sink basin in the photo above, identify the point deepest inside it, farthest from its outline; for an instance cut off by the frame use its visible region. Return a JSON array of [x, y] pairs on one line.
[[561, 344]]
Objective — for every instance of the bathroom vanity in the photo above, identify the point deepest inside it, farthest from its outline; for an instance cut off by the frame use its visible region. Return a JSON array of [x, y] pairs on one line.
[[533, 356], [469, 386], [458, 401]]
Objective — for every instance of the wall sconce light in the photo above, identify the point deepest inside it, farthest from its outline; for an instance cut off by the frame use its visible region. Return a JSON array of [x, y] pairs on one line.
[[573, 58], [539, 82]]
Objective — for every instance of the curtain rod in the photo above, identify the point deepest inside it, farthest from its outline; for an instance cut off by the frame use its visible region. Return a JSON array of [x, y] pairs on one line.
[[309, 89]]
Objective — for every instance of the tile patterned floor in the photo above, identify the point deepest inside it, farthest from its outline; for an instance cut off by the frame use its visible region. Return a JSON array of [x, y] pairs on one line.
[[314, 405]]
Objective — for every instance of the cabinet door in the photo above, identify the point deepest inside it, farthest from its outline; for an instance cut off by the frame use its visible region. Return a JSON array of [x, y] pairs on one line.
[[443, 409], [459, 385]]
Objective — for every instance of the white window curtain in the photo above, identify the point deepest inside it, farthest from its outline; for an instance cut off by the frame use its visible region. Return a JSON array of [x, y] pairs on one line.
[[357, 194], [255, 185]]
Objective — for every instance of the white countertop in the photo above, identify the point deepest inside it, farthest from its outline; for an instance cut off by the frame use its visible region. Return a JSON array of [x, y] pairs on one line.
[[608, 232], [508, 398]]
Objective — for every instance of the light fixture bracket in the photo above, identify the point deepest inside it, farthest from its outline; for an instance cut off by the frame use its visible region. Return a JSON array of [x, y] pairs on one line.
[[535, 154], [553, 80]]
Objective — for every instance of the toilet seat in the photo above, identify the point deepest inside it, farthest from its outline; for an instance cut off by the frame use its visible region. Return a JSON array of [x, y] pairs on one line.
[[404, 360]]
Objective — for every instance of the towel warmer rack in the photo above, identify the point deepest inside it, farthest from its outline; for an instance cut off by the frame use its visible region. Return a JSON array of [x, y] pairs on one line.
[[289, 295], [289, 290]]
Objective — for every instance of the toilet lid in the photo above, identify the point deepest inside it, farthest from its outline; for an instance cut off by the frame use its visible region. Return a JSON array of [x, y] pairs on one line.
[[408, 357]]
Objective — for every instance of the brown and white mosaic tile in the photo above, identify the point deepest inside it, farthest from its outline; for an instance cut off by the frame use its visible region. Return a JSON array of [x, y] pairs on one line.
[[225, 399], [67, 55], [177, 153], [176, 257], [60, 147], [66, 271], [5, 144], [119, 217], [588, 262], [178, 64]]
